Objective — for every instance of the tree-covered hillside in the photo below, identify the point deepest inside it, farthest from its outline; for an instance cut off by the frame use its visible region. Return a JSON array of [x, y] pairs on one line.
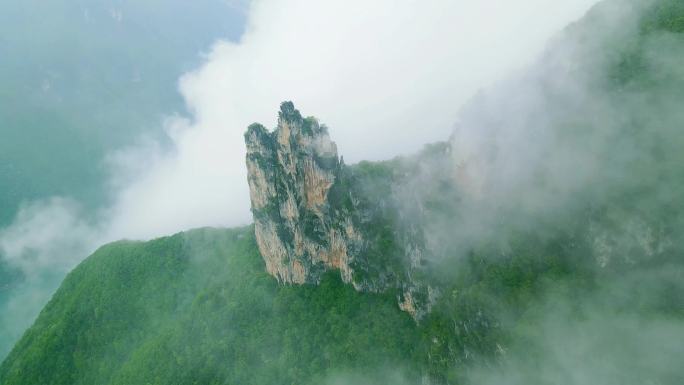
[[198, 308]]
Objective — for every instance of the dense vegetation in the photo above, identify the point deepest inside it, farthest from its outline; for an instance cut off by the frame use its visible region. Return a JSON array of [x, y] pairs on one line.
[[198, 308]]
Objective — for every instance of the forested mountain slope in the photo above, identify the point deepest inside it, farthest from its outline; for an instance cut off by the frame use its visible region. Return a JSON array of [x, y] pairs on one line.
[[199, 308]]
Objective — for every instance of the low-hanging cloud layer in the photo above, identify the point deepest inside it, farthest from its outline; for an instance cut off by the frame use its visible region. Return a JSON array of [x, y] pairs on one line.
[[386, 76]]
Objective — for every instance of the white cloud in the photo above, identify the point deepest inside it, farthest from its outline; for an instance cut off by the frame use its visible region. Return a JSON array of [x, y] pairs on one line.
[[387, 76], [49, 236]]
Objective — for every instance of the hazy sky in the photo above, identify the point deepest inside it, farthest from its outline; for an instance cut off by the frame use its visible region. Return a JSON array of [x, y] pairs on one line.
[[80, 78]]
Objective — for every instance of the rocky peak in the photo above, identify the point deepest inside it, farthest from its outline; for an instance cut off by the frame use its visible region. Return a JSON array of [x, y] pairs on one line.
[[313, 214], [290, 172]]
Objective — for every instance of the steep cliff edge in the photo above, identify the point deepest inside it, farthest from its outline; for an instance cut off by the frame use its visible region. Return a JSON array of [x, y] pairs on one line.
[[313, 213], [291, 171]]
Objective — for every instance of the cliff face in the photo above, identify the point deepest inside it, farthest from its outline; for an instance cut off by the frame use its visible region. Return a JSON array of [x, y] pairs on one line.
[[313, 214], [291, 172]]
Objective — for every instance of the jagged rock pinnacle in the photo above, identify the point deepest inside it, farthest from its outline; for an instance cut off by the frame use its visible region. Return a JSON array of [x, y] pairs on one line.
[[313, 214], [290, 173]]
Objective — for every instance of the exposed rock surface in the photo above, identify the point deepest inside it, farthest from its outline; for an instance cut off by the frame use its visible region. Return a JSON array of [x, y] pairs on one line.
[[313, 214], [291, 171]]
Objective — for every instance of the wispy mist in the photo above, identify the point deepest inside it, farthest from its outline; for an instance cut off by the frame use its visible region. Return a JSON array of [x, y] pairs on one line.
[[379, 81], [584, 146], [621, 333], [569, 136], [45, 241]]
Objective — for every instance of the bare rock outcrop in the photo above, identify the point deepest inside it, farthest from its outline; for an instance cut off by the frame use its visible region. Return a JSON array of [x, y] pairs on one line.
[[290, 173], [314, 214]]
